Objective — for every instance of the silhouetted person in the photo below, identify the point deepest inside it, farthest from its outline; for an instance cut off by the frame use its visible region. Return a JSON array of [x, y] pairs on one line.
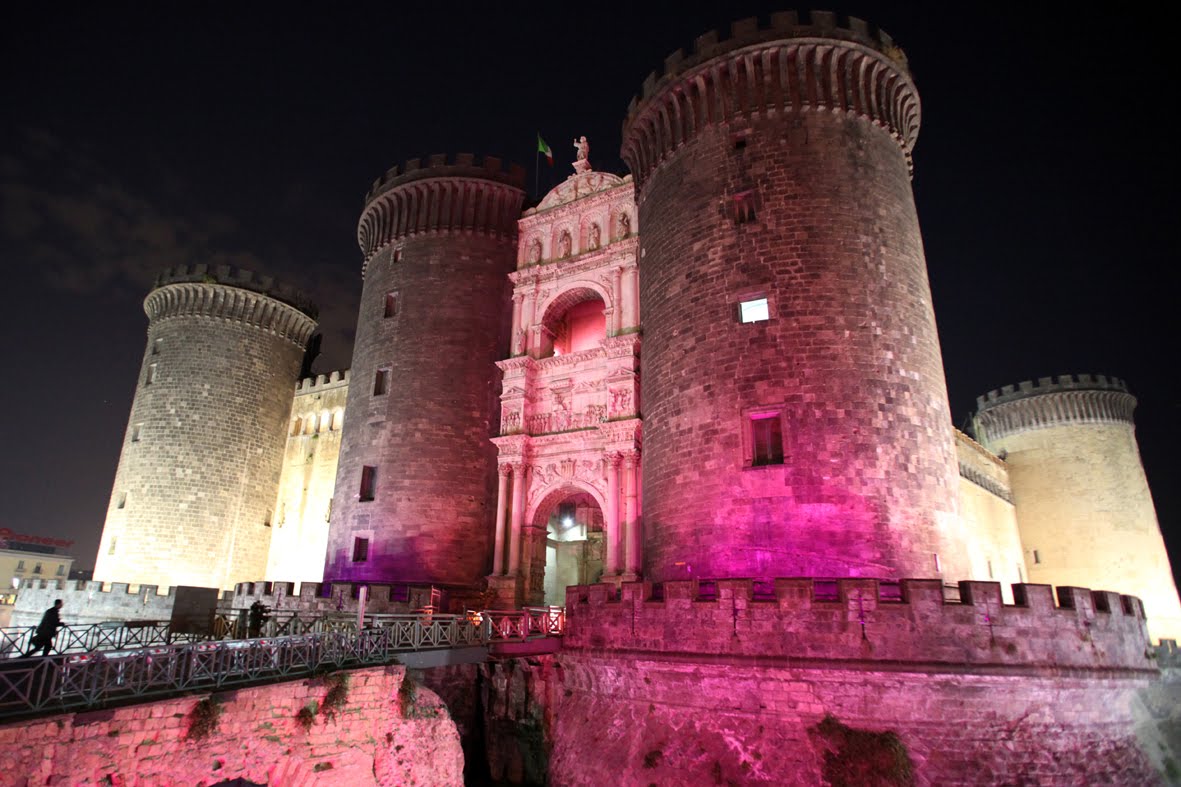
[[51, 621], [259, 613]]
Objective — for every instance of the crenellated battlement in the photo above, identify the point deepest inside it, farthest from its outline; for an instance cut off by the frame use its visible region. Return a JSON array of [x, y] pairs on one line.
[[234, 294], [319, 597], [242, 279], [1047, 385], [907, 621], [794, 62], [321, 382], [1067, 399], [445, 195]]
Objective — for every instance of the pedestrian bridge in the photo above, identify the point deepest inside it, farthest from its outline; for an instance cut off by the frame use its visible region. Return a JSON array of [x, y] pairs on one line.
[[94, 666]]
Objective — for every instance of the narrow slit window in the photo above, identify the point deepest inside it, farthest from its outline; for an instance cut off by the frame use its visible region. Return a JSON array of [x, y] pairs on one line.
[[381, 382], [1037, 558], [156, 346], [122, 500], [766, 435], [391, 305], [111, 548], [135, 430], [151, 376], [368, 482], [754, 310], [360, 549]]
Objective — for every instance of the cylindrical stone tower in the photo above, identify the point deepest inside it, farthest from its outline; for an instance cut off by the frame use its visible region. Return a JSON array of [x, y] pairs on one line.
[[201, 458], [417, 475], [1083, 505], [796, 418]]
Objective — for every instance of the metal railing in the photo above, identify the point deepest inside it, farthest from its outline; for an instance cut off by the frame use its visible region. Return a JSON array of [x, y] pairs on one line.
[[15, 642], [75, 680]]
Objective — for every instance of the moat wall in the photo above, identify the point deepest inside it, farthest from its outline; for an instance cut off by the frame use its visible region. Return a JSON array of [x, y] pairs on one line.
[[383, 733]]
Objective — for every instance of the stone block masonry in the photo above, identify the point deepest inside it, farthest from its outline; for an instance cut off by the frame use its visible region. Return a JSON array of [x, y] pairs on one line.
[[384, 732], [775, 168]]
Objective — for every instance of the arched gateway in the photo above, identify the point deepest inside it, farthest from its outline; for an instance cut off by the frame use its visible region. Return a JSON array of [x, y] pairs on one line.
[[568, 504]]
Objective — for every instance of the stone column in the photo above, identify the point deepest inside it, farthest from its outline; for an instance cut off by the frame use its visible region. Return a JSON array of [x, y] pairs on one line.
[[518, 515], [612, 515], [619, 303], [629, 295], [518, 333], [633, 539], [501, 504]]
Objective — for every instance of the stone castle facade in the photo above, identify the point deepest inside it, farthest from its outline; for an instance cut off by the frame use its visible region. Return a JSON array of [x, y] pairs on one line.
[[722, 365]]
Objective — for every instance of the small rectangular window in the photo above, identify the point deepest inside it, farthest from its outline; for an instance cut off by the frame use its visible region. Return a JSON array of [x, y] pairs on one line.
[[398, 254], [135, 432], [122, 500], [368, 482], [61, 570], [360, 550], [111, 548], [381, 382], [754, 310], [938, 565], [156, 346], [1020, 574], [151, 376], [742, 208], [766, 439], [20, 565], [37, 569], [1036, 557], [990, 569], [266, 522], [391, 305]]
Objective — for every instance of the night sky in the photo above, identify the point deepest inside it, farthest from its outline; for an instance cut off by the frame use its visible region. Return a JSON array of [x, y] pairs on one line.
[[137, 138]]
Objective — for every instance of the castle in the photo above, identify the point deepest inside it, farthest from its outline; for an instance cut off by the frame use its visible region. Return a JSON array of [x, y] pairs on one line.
[[675, 386]]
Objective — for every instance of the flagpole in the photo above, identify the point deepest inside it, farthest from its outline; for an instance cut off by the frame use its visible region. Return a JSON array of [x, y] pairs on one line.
[[536, 170]]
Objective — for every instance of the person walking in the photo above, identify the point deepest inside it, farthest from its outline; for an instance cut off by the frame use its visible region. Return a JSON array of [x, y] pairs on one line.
[[51, 621]]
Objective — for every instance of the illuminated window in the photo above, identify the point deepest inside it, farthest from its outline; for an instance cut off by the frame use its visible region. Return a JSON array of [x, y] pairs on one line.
[[391, 304], [754, 310], [368, 482], [360, 549], [766, 439], [381, 382]]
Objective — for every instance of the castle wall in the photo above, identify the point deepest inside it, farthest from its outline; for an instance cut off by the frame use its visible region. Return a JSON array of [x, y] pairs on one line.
[[989, 516], [1083, 505], [381, 735], [299, 535], [439, 243], [194, 493], [744, 193]]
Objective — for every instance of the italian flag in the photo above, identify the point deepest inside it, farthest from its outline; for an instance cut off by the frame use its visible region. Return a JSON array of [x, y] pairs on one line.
[[544, 148]]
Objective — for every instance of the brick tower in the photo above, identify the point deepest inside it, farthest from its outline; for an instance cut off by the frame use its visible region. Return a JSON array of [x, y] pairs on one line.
[[199, 471], [796, 412], [417, 475], [1083, 506]]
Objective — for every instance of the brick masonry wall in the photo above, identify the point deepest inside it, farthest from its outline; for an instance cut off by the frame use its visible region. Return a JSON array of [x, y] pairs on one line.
[[201, 457], [377, 737], [428, 436], [849, 357]]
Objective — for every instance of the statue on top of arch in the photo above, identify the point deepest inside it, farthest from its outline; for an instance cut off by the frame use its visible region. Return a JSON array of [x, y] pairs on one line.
[[581, 156]]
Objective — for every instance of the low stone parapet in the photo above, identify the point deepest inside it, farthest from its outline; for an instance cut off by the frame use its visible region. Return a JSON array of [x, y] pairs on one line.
[[906, 622]]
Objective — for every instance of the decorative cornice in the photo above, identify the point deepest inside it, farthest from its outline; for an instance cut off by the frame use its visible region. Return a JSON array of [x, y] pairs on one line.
[[578, 187], [587, 262], [984, 482], [787, 67], [1069, 400], [222, 302], [240, 278]]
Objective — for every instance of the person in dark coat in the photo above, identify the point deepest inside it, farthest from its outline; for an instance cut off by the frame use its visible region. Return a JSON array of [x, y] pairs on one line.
[[51, 621], [260, 613]]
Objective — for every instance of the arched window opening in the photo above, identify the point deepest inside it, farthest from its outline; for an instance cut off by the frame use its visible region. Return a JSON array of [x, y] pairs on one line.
[[574, 322], [573, 546]]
